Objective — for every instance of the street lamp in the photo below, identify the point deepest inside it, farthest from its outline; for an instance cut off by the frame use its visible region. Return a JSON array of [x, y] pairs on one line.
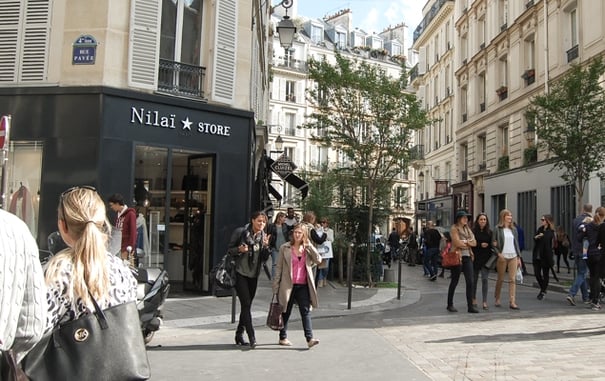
[[279, 143], [286, 28]]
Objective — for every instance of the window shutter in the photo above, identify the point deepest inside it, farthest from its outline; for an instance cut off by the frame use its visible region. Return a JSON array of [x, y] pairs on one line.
[[143, 50], [24, 35], [422, 60], [34, 53], [9, 38], [223, 81]]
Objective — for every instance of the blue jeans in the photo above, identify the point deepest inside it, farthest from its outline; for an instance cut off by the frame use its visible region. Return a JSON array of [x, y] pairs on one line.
[[300, 294], [274, 254], [432, 257], [323, 273], [580, 281]]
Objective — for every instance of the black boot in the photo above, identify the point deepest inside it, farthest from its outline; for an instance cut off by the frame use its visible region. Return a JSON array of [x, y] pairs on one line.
[[239, 337]]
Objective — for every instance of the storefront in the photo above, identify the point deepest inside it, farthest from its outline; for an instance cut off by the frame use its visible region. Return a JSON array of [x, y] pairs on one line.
[[186, 166]]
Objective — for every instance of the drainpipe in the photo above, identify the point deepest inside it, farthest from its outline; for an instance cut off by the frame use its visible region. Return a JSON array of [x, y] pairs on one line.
[[546, 63]]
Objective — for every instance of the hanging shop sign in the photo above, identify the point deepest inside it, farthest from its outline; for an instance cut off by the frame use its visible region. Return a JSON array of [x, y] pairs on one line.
[[84, 50], [283, 166]]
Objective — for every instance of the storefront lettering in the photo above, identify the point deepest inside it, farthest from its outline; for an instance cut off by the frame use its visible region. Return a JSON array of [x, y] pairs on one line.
[[213, 129], [151, 118], [155, 119]]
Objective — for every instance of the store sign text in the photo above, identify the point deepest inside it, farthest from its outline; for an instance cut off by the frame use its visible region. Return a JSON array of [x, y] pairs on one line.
[[154, 118]]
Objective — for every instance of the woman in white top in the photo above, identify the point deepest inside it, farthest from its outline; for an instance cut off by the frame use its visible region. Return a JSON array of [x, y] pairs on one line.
[[509, 256]]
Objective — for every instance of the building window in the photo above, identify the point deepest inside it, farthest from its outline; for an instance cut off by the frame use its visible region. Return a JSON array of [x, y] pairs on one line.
[[341, 40], [23, 172], [572, 38], [563, 204], [482, 142], [181, 36], [573, 27], [481, 32], [290, 119], [316, 34], [481, 91], [464, 49], [503, 140], [463, 101], [290, 91], [503, 13]]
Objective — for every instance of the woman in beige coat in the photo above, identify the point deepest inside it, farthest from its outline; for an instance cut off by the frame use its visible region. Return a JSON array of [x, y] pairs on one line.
[[294, 281]]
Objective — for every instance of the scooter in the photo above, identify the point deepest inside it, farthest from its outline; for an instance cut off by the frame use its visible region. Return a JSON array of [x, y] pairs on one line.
[[152, 288]]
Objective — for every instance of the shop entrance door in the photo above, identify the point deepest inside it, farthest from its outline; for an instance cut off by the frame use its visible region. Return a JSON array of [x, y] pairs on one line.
[[197, 232]]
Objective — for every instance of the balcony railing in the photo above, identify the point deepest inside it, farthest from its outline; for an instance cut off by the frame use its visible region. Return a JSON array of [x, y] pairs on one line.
[[181, 79], [429, 17], [417, 152], [572, 53], [284, 62], [414, 73]]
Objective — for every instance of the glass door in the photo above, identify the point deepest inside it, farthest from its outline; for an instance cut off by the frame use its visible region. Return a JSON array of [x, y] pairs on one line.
[[197, 231]]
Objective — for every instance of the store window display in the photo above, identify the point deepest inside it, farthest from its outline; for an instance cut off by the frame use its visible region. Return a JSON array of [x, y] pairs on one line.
[[21, 182]]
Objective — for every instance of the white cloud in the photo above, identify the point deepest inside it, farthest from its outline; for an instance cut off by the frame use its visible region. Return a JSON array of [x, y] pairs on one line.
[[370, 22]]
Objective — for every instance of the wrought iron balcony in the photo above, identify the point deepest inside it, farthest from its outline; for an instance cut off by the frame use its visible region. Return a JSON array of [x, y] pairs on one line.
[[181, 79], [429, 17], [417, 152]]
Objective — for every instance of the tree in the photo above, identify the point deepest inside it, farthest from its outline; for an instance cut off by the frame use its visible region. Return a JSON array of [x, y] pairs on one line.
[[368, 116], [570, 124]]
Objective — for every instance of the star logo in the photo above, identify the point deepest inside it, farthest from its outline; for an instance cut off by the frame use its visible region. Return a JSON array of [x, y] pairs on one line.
[[186, 124]]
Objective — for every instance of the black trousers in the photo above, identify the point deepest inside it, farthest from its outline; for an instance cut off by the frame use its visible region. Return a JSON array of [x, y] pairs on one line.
[[594, 269], [467, 269], [246, 290], [542, 272]]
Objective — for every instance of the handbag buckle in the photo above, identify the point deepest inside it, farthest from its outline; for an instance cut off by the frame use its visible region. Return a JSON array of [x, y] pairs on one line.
[[81, 334]]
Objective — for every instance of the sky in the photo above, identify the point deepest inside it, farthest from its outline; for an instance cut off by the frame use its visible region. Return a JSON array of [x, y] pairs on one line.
[[369, 15]]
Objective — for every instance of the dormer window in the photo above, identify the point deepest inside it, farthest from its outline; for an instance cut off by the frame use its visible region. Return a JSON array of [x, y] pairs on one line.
[[317, 34], [341, 40]]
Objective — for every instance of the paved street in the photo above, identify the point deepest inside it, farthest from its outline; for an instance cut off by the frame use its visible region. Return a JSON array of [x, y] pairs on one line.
[[381, 337]]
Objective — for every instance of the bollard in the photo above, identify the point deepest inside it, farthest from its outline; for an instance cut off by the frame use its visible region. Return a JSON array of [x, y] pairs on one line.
[[349, 275], [399, 277]]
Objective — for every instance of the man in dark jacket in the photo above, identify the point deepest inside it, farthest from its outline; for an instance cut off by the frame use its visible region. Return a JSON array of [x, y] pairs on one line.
[[576, 249], [432, 241], [126, 223]]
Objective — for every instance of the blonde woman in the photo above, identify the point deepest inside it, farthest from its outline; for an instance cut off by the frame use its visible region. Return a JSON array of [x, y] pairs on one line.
[[509, 256], [85, 268], [294, 282]]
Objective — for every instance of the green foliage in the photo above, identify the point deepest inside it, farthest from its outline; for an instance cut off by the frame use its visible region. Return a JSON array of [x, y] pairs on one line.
[[530, 155], [570, 123], [503, 163], [369, 117]]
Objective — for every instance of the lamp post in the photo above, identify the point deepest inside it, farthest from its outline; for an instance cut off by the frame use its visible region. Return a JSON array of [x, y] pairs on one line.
[[286, 28]]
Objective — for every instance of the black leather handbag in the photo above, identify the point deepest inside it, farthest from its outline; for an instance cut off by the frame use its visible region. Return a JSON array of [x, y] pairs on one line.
[[104, 345]]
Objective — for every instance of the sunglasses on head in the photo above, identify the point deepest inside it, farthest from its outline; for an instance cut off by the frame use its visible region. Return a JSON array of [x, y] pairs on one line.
[[68, 191]]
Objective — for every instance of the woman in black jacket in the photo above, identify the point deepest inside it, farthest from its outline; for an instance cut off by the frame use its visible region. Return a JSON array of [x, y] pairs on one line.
[[543, 254], [250, 246], [484, 236]]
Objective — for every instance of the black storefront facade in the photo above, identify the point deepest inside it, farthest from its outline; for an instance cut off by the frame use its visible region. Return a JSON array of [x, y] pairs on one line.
[[188, 167]]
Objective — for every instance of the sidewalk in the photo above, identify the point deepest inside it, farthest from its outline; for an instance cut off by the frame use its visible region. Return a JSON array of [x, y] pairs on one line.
[[199, 311], [196, 311]]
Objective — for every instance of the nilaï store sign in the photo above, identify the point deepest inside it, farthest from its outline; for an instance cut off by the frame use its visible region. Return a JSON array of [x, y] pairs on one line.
[[154, 118]]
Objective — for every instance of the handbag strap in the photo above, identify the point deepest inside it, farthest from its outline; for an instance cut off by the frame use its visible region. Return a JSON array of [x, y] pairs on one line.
[[99, 313]]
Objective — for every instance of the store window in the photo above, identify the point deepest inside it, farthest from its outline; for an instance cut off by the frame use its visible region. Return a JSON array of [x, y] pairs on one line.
[[21, 182]]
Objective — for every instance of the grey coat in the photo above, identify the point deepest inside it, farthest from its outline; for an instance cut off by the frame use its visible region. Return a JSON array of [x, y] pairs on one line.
[[282, 283]]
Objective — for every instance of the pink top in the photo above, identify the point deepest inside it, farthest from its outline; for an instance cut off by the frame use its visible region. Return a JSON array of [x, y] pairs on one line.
[[299, 268]]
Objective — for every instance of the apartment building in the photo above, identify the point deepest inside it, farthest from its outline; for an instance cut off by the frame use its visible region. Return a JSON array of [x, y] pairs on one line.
[[288, 107], [155, 100], [506, 52], [433, 79]]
